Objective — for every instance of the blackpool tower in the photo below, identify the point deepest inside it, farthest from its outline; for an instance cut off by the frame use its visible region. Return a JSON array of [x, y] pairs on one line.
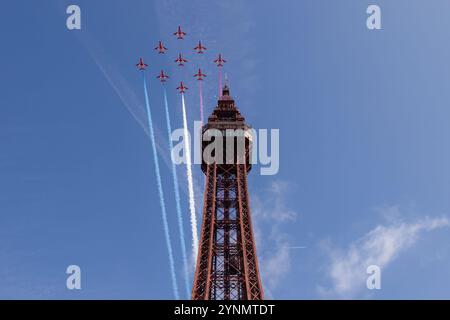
[[227, 264]]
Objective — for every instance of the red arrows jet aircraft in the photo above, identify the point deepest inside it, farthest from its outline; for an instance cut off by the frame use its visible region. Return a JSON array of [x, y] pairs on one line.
[[141, 65], [180, 34], [161, 48], [220, 61], [200, 48], [162, 76], [199, 75], [182, 88], [180, 60]]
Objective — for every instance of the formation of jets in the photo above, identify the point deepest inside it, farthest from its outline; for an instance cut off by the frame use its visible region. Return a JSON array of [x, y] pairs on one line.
[[162, 76], [160, 47], [200, 48], [182, 88], [179, 33], [180, 60], [219, 61], [141, 65], [199, 75]]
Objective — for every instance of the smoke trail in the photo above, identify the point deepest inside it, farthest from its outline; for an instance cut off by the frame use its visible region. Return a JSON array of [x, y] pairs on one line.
[[161, 194], [177, 198], [201, 100], [190, 182], [220, 82]]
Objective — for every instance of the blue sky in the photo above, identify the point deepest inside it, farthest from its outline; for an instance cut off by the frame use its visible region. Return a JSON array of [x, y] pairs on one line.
[[364, 144]]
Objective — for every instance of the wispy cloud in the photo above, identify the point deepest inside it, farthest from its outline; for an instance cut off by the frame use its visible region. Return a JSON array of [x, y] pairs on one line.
[[380, 246], [271, 215]]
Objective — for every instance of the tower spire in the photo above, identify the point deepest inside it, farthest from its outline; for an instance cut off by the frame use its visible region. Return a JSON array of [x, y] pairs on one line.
[[227, 264]]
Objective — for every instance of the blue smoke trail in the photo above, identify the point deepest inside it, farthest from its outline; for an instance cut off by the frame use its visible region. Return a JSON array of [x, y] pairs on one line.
[[177, 197], [161, 194]]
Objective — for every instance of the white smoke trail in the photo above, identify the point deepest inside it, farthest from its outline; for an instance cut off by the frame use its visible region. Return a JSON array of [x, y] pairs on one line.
[[187, 148], [161, 195], [177, 198]]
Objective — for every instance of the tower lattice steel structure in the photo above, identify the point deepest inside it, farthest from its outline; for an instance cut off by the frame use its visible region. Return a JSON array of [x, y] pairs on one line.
[[227, 264]]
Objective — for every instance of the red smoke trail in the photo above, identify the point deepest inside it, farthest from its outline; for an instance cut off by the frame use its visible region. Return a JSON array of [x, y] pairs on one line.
[[201, 100], [220, 82]]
